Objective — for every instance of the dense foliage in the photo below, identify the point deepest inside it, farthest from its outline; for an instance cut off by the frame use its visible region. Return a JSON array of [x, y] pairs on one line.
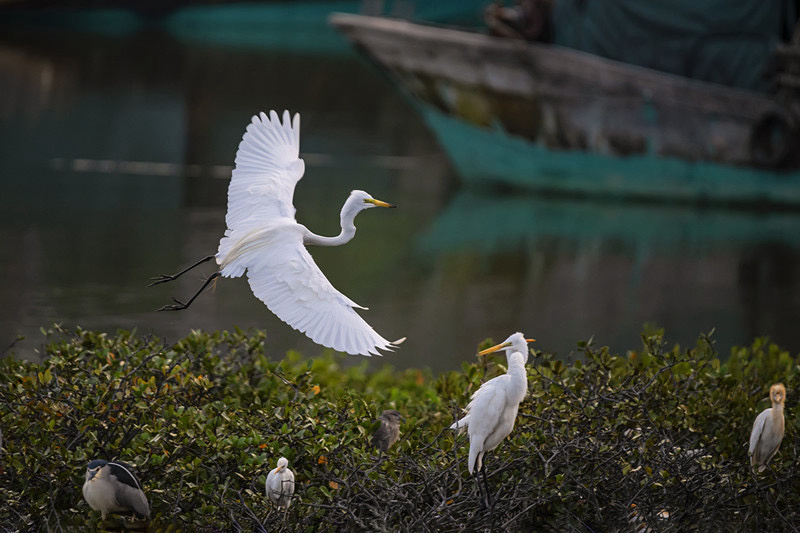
[[657, 436]]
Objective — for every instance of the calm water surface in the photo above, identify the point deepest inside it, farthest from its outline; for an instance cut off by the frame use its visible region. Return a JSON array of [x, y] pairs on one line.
[[116, 154]]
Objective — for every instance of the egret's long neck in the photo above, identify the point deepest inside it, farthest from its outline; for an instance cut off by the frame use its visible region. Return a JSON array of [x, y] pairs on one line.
[[519, 377], [346, 235]]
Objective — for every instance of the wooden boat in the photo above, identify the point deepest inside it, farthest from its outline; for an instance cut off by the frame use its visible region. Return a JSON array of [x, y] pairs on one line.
[[546, 117]]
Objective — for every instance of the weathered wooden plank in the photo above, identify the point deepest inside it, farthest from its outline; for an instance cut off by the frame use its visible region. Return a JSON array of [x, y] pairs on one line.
[[522, 68]]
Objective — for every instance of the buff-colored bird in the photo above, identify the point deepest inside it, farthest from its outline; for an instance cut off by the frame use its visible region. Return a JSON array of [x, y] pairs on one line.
[[768, 428]]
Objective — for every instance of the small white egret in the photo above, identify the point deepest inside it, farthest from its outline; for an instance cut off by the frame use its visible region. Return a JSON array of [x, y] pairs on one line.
[[767, 433], [389, 431], [280, 484], [492, 411], [264, 239]]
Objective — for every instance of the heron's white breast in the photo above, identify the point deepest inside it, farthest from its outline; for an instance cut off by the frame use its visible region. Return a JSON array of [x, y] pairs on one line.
[[100, 496]]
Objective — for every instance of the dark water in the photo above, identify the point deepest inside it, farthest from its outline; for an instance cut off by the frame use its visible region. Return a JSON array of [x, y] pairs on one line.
[[116, 153]]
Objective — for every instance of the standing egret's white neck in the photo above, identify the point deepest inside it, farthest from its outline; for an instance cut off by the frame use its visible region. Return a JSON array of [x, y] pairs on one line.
[[516, 348], [355, 203]]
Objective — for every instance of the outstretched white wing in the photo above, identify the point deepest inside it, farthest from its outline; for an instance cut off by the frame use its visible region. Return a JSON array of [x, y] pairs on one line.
[[267, 169], [284, 276], [486, 419], [486, 394], [264, 239]]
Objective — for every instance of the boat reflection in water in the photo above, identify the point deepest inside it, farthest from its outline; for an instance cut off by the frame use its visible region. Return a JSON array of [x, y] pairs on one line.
[[572, 269]]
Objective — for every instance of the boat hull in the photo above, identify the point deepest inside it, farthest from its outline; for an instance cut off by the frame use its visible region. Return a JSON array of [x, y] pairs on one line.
[[485, 156], [542, 116]]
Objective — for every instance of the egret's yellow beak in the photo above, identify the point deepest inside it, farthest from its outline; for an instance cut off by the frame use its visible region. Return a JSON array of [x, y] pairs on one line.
[[499, 347], [278, 469], [379, 203]]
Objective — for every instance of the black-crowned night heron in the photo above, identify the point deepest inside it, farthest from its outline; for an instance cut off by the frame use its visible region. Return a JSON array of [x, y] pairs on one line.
[[768, 428], [112, 487], [389, 430], [280, 484]]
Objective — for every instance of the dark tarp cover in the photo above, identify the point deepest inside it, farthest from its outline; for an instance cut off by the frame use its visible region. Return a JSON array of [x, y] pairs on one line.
[[724, 41]]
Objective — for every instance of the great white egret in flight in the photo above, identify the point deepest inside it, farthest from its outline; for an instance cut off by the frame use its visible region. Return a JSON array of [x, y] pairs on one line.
[[767, 433], [264, 239], [280, 484], [492, 411]]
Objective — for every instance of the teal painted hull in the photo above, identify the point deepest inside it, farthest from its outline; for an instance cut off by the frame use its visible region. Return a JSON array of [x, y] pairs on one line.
[[491, 156]]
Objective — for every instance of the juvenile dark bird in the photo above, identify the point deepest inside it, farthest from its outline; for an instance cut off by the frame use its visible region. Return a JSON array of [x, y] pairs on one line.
[[768, 428], [389, 431], [112, 487]]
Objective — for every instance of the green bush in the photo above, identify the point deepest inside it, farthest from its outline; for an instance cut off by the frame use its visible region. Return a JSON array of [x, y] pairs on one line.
[[601, 443]]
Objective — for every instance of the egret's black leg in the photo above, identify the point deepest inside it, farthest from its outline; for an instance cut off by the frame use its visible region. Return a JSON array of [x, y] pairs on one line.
[[163, 278], [179, 305], [477, 477], [482, 490], [489, 502]]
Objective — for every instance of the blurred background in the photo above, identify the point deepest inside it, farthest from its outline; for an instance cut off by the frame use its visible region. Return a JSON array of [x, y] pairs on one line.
[[118, 130]]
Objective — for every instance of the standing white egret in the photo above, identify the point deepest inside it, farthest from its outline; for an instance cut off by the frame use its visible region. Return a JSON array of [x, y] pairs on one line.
[[492, 411], [280, 484], [767, 433], [264, 239]]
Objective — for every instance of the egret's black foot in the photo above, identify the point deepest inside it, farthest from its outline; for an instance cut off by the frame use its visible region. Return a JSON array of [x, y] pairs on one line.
[[177, 306], [163, 278]]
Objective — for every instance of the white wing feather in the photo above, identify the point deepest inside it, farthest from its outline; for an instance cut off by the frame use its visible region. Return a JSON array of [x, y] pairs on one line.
[[291, 284], [264, 239], [485, 412], [284, 276], [267, 169], [480, 398]]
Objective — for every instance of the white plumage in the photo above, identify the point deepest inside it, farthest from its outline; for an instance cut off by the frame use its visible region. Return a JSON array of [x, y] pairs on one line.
[[264, 240], [280, 484], [768, 429], [493, 409]]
